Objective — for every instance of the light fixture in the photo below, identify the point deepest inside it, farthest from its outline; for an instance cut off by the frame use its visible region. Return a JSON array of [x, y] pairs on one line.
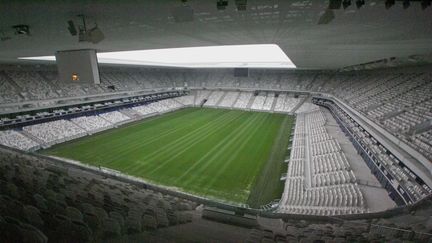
[[75, 77], [326, 17], [221, 4], [389, 3], [241, 5], [4, 36], [93, 35], [406, 4], [334, 4], [71, 27], [21, 29], [425, 4], [183, 13], [346, 3], [360, 3]]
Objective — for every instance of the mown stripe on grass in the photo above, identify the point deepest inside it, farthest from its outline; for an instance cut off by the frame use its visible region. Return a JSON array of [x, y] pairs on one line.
[[141, 138], [215, 151], [130, 132], [231, 157], [129, 149], [181, 147], [232, 180], [183, 139], [267, 185], [208, 152]]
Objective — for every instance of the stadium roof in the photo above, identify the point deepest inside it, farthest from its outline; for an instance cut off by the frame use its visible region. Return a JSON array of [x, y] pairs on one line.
[[353, 37]]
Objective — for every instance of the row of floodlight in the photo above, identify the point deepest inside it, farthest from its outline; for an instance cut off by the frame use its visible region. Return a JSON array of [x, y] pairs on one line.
[[407, 3], [336, 4], [329, 14], [241, 5]]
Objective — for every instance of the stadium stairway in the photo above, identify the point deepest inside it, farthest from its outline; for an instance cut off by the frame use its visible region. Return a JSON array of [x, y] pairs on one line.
[[56, 88], [112, 124], [235, 100], [177, 102], [310, 84], [303, 100], [274, 104], [204, 98], [12, 82], [202, 103], [251, 101], [269, 96], [37, 140], [194, 93], [209, 95], [420, 128], [195, 98], [392, 114], [17, 88], [130, 113], [220, 99]]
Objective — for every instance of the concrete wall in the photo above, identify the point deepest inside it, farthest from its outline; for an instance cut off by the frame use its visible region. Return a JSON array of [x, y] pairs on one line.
[[83, 63]]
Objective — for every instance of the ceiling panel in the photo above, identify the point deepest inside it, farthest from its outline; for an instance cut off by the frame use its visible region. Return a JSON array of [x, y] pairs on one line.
[[354, 36]]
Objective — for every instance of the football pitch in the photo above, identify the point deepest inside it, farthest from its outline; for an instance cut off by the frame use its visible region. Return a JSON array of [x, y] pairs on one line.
[[230, 155]]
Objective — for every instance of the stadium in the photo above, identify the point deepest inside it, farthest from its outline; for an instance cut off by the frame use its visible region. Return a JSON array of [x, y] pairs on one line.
[[216, 121]]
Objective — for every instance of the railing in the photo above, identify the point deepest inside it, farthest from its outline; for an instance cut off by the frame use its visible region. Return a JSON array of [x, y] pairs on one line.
[[139, 182], [263, 211], [92, 108], [271, 206], [267, 211], [398, 192]]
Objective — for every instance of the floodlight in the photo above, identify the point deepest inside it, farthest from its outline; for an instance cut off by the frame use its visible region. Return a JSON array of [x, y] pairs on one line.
[[406, 4], [346, 3], [389, 3], [360, 3]]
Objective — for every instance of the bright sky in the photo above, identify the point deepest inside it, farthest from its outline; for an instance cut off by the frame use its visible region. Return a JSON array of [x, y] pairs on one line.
[[259, 56]]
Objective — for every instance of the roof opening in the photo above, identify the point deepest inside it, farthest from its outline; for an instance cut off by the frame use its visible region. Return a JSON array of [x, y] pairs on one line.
[[229, 56]]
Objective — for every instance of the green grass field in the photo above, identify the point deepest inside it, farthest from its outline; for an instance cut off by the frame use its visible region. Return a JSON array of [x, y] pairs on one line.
[[225, 154]]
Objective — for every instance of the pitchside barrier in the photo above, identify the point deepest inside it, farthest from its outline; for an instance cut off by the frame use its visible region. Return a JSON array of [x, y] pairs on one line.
[[216, 207]]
